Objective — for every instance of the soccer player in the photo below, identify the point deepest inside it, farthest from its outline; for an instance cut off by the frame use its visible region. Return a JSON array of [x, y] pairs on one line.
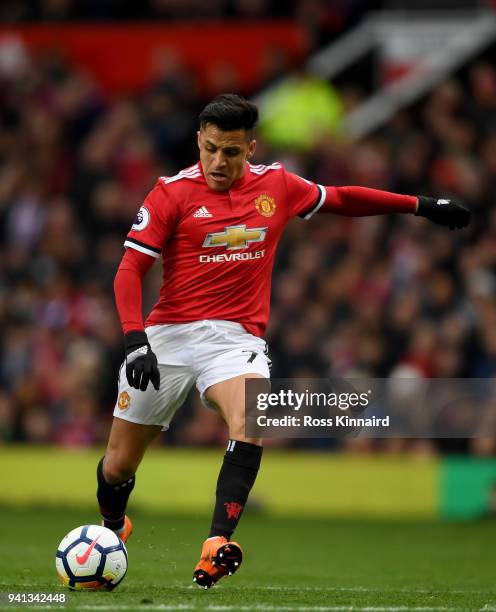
[[216, 225]]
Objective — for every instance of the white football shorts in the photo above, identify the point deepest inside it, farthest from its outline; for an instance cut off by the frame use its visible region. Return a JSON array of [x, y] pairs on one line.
[[204, 352]]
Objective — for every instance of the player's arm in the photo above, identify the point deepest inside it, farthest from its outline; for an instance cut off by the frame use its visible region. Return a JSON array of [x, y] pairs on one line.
[[141, 362], [306, 198], [362, 201], [153, 225]]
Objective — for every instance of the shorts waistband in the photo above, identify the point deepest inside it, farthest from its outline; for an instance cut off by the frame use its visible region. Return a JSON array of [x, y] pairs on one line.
[[213, 324], [218, 324]]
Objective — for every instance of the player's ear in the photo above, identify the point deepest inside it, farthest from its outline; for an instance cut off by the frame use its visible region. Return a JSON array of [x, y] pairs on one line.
[[198, 138], [251, 148]]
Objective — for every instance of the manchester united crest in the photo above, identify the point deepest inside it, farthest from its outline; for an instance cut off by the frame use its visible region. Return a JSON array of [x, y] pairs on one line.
[[266, 205], [124, 400]]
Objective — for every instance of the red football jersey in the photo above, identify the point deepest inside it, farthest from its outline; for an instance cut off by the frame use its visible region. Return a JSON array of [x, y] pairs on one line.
[[217, 247]]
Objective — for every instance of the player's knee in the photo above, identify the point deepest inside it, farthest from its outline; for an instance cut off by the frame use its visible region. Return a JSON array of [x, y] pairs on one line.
[[115, 470]]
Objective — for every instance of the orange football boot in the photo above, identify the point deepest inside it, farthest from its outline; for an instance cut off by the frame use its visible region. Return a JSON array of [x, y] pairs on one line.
[[125, 531], [218, 558]]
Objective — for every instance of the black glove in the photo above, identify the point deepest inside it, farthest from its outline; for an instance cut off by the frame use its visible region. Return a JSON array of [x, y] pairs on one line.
[[141, 362], [444, 212]]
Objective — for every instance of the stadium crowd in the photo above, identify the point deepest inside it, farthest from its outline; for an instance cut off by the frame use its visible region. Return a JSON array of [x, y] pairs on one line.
[[379, 296]]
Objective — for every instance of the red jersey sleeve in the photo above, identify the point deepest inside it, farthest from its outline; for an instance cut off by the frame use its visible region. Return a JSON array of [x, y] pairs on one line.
[[304, 197], [127, 288], [154, 222], [363, 201]]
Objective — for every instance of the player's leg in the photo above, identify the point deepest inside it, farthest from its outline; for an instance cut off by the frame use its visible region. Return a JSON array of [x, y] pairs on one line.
[[237, 475], [116, 471], [139, 416], [241, 460], [125, 449], [226, 357]]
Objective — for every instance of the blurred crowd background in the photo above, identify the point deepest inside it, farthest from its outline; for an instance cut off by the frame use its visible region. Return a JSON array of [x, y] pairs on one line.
[[380, 297], [323, 18]]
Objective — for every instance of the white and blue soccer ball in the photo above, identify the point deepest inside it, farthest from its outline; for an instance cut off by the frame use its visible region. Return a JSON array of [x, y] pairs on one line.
[[91, 557]]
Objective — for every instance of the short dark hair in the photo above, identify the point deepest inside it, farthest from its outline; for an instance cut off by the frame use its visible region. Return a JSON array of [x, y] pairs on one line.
[[230, 112]]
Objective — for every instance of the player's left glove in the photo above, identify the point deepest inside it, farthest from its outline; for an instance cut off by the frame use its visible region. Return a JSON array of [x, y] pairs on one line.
[[141, 361], [444, 212]]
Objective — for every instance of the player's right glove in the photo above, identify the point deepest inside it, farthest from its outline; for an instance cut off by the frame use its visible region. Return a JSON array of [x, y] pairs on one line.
[[443, 212], [141, 362]]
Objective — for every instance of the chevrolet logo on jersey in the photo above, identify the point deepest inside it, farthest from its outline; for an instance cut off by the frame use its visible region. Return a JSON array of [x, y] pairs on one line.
[[235, 237]]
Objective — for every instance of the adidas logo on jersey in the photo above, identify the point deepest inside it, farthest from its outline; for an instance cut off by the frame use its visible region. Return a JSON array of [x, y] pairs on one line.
[[202, 212]]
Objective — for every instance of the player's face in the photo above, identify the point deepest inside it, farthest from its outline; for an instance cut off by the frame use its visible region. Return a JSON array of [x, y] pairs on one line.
[[223, 155]]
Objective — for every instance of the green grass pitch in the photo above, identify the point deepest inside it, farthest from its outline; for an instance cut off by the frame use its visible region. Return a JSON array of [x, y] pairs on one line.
[[290, 564]]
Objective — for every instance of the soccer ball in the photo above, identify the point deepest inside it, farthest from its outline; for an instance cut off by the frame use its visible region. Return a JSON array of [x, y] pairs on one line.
[[91, 557]]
